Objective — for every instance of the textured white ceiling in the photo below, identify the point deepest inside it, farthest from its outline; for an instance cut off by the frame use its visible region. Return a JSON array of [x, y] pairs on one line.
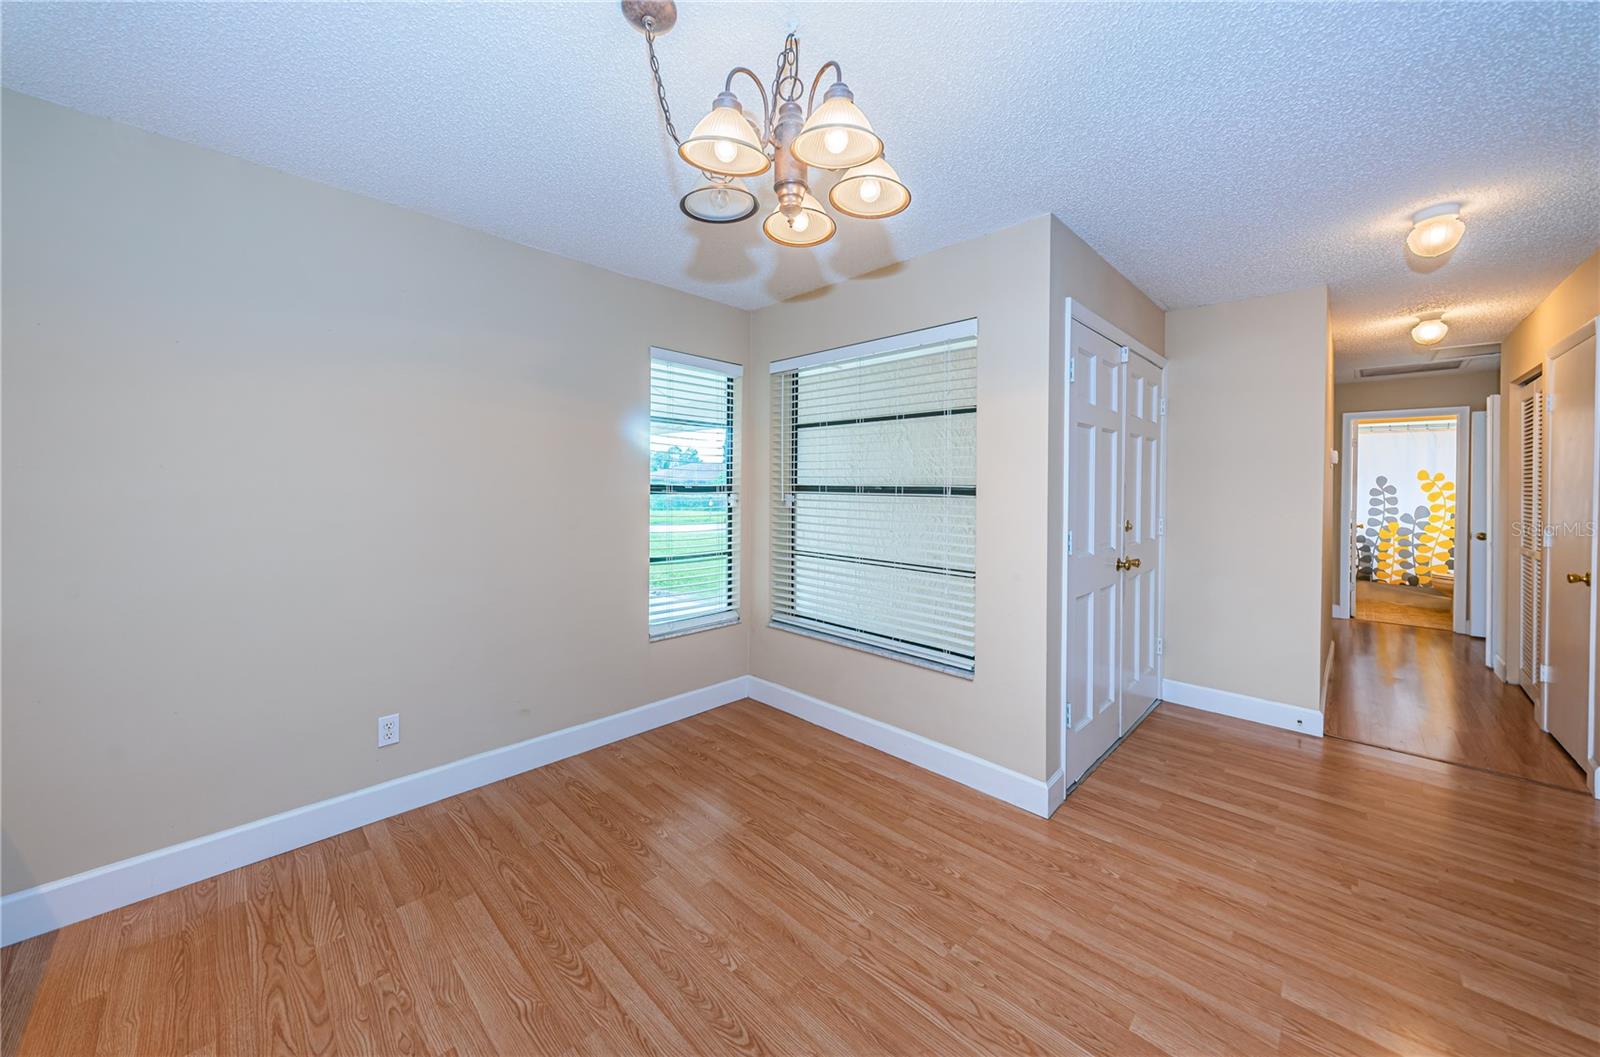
[[1209, 151]]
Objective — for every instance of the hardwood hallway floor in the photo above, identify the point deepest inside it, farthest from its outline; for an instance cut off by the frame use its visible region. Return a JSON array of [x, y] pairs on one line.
[[742, 882], [1426, 691]]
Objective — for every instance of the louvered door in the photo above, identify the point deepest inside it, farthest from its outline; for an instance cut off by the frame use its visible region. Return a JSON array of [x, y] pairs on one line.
[[1530, 535]]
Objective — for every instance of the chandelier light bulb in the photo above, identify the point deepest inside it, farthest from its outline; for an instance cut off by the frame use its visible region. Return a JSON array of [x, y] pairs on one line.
[[799, 223], [871, 189], [835, 140], [1430, 330], [725, 151], [1436, 230]]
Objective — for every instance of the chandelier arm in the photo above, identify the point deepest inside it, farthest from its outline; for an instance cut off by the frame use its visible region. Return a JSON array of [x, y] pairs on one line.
[[766, 107], [838, 77]]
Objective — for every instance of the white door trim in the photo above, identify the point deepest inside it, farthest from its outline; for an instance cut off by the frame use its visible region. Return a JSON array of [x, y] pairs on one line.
[[1077, 310], [1493, 649], [1463, 570]]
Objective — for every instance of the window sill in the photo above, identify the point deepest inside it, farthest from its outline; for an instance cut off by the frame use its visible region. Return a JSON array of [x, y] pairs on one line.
[[877, 651], [721, 620]]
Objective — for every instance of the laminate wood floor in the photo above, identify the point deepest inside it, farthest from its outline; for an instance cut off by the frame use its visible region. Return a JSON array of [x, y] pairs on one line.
[[1426, 691], [741, 882], [1416, 606]]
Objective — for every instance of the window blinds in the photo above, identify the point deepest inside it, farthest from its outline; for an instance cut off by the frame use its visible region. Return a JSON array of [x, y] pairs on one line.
[[694, 523], [874, 490]]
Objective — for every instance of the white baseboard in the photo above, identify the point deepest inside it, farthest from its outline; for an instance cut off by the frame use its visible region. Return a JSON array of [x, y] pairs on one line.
[[44, 907], [1031, 794], [1242, 706]]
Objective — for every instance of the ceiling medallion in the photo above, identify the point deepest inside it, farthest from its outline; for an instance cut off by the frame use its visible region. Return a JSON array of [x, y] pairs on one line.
[[727, 146]]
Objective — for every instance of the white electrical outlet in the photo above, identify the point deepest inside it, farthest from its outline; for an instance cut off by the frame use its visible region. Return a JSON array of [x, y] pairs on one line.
[[388, 729]]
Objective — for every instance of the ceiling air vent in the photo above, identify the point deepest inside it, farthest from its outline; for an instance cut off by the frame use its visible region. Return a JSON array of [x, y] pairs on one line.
[[1395, 370]]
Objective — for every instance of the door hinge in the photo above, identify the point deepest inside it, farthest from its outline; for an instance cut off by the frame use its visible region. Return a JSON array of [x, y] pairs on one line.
[[1069, 542], [1163, 407], [1161, 526], [1161, 644], [1122, 354], [1549, 538], [1072, 370], [1544, 673]]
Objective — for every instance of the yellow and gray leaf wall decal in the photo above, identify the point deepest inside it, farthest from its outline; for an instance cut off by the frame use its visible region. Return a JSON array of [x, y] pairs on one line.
[[1407, 472]]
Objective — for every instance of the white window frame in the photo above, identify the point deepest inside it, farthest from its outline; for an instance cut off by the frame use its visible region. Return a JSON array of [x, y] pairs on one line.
[[869, 642], [669, 629]]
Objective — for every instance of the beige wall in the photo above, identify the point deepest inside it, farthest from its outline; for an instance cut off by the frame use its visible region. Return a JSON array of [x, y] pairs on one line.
[[1471, 389], [279, 459], [1246, 522], [1013, 282], [1574, 302]]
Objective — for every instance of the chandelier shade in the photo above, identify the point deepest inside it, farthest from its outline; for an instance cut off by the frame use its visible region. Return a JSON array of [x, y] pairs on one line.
[[810, 226], [716, 200], [837, 135], [870, 192], [724, 143]]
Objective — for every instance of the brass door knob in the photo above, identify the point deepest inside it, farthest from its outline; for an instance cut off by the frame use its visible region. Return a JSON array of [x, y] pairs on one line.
[[1578, 578], [1482, 536], [1127, 563]]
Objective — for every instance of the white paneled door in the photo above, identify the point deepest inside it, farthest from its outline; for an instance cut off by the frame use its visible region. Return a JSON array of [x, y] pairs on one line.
[[1571, 492], [1092, 614], [1111, 633], [1141, 539]]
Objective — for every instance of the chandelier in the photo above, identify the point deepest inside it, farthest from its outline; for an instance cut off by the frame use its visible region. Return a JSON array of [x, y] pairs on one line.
[[727, 146]]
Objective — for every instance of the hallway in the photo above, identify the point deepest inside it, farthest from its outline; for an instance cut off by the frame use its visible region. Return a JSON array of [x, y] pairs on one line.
[[1426, 692]]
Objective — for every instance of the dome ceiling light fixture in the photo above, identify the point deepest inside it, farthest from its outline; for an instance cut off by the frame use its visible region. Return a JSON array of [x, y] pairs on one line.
[[729, 145], [1430, 329], [1436, 230]]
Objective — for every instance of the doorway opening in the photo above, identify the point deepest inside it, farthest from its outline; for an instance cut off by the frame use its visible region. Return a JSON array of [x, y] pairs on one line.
[[1403, 518]]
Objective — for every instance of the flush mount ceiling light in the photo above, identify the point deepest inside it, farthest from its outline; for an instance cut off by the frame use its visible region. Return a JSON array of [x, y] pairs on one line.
[[1436, 230], [728, 144], [1430, 329]]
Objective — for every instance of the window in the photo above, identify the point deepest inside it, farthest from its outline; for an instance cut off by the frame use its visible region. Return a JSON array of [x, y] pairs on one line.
[[875, 495], [694, 524]]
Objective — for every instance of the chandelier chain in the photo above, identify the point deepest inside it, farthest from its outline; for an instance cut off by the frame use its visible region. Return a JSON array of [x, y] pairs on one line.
[[661, 89], [786, 83]]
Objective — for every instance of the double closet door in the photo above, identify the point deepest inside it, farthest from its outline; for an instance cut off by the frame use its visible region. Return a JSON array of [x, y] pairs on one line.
[[1114, 519]]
